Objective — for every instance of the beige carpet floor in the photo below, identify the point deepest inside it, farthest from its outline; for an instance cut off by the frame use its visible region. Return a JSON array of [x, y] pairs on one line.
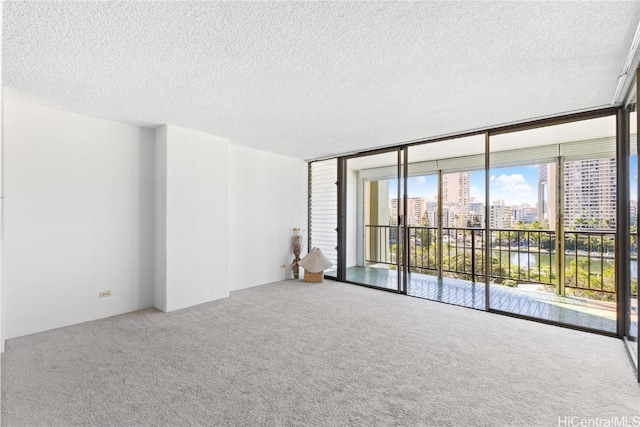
[[292, 353]]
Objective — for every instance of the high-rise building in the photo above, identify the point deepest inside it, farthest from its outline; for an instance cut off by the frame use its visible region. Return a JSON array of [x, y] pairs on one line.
[[543, 193], [501, 216], [456, 196], [590, 193], [476, 214], [415, 210], [525, 213], [393, 212], [477, 207], [547, 193], [431, 209]]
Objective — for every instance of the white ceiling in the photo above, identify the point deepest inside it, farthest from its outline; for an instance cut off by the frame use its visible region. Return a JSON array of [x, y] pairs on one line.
[[311, 79]]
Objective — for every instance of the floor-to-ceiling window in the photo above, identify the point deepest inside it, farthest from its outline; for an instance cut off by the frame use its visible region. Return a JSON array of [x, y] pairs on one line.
[[631, 327], [553, 223], [446, 222], [524, 220], [374, 220]]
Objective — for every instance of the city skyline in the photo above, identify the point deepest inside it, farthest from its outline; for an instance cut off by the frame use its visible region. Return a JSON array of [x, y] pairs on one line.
[[516, 185]]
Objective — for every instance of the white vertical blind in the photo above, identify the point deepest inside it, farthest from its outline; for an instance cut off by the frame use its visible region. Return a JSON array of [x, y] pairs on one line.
[[590, 149], [323, 208], [524, 156]]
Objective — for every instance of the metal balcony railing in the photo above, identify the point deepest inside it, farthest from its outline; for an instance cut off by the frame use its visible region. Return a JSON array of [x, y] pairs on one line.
[[518, 255], [590, 259]]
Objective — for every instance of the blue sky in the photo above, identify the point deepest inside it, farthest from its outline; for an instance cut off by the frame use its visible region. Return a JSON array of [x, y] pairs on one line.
[[633, 171], [515, 185]]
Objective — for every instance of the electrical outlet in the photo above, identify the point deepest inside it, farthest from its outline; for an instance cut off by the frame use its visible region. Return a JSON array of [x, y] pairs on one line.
[[283, 266], [104, 294]]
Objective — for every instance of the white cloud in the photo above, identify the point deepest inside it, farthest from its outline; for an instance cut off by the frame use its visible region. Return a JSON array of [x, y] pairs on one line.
[[513, 189], [514, 183]]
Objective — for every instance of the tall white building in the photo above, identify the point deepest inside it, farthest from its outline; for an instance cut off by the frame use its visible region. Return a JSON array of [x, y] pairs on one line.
[[547, 193], [416, 207], [501, 216], [393, 212], [590, 193], [456, 196]]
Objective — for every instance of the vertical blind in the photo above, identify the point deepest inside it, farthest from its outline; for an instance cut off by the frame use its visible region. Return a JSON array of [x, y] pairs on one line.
[[323, 208]]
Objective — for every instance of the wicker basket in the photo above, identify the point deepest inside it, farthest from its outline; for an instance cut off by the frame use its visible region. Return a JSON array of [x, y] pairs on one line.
[[313, 277]]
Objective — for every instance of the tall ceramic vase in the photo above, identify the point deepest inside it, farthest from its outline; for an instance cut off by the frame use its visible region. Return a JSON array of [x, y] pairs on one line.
[[297, 247]]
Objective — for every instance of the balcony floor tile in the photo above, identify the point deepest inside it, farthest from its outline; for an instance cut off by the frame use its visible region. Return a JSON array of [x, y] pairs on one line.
[[542, 305]]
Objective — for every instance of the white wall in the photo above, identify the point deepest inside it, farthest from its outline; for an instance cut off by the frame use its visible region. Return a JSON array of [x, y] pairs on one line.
[[79, 218], [160, 287], [170, 218], [267, 199], [197, 217]]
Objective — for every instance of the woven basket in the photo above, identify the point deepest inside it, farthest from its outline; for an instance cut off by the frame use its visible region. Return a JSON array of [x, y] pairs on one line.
[[313, 277]]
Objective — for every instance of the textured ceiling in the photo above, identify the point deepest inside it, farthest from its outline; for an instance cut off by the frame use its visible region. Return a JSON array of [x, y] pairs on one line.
[[311, 79]]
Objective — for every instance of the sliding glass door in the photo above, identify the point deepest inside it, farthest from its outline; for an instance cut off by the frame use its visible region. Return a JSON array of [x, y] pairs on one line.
[[374, 220], [553, 223], [631, 327], [518, 221], [445, 221], [537, 221]]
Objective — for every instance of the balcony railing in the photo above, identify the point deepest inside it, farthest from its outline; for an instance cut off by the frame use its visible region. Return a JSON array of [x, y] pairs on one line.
[[590, 262], [518, 255], [524, 255]]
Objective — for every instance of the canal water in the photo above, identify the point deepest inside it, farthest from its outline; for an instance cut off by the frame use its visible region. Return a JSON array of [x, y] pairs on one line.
[[532, 261]]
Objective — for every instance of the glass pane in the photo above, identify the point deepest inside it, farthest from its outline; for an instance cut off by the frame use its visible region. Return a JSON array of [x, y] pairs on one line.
[[542, 267], [446, 225], [373, 208], [633, 193], [324, 210]]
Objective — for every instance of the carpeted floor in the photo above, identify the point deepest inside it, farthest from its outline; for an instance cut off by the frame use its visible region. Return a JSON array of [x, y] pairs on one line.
[[292, 353]]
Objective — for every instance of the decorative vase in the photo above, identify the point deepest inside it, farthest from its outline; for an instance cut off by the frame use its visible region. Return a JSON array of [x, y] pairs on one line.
[[297, 247]]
